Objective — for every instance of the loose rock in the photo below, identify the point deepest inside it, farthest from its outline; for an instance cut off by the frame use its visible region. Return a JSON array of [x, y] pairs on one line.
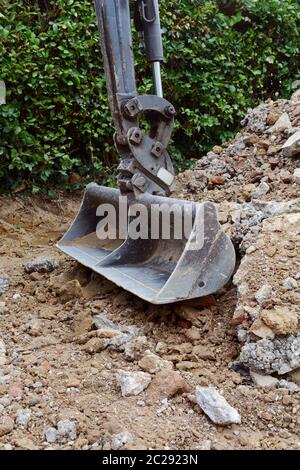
[[26, 444], [280, 355], [281, 124], [40, 265], [290, 283], [4, 283], [6, 425], [260, 329], [290, 386], [292, 145], [66, 430], [216, 407], [152, 363], [166, 384], [263, 294], [296, 176], [118, 441], [2, 353], [132, 383], [23, 416], [264, 381], [70, 291], [282, 320], [51, 435]]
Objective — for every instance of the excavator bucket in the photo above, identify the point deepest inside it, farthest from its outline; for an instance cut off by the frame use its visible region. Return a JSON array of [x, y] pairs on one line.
[[161, 249], [158, 267]]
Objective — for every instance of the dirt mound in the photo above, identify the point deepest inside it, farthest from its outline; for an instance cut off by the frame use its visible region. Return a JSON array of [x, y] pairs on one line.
[[256, 175], [253, 165]]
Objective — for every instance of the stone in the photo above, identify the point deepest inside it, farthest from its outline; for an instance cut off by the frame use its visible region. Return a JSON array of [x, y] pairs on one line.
[[132, 383], [296, 96], [5, 401], [135, 347], [166, 384], [26, 444], [187, 365], [51, 435], [2, 353], [94, 345], [263, 294], [248, 190], [192, 314], [4, 283], [285, 176], [193, 333], [73, 381], [281, 319], [295, 376], [6, 425], [2, 308], [203, 445], [217, 149], [290, 283], [66, 430], [101, 321], [256, 119], [15, 391], [263, 381], [183, 348], [273, 117], [216, 407], [290, 386], [262, 189], [242, 335], [274, 208], [217, 180], [281, 355], [70, 291], [152, 363], [281, 124], [16, 297], [202, 352], [124, 333], [250, 139], [291, 147], [23, 417], [260, 329], [118, 441], [296, 176], [40, 265], [83, 322]]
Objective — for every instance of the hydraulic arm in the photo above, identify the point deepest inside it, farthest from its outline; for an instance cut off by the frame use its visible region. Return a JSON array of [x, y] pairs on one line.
[[149, 261], [145, 163]]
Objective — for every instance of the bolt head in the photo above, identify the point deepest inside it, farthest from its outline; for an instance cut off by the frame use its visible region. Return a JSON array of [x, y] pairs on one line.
[[170, 110]]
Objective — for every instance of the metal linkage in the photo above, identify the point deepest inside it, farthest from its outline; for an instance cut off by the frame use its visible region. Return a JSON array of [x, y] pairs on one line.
[[145, 163]]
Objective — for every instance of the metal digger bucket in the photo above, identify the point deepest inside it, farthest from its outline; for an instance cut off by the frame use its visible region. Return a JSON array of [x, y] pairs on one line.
[[163, 261]]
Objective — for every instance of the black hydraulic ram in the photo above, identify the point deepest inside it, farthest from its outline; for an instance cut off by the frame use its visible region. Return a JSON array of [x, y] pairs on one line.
[[147, 22]]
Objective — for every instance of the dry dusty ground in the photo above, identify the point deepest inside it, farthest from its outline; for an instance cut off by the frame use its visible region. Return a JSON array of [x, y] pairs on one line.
[[50, 371]]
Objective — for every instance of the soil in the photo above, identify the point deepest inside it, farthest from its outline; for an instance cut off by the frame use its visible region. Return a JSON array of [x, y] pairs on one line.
[[50, 371], [59, 369]]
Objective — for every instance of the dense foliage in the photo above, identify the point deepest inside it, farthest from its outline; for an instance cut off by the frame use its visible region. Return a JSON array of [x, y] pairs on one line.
[[222, 56]]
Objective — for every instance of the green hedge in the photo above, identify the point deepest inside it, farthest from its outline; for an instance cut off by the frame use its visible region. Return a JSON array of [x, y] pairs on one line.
[[221, 57]]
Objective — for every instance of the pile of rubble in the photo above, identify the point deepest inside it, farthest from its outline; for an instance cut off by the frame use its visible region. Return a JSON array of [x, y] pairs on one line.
[[255, 180], [260, 163]]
